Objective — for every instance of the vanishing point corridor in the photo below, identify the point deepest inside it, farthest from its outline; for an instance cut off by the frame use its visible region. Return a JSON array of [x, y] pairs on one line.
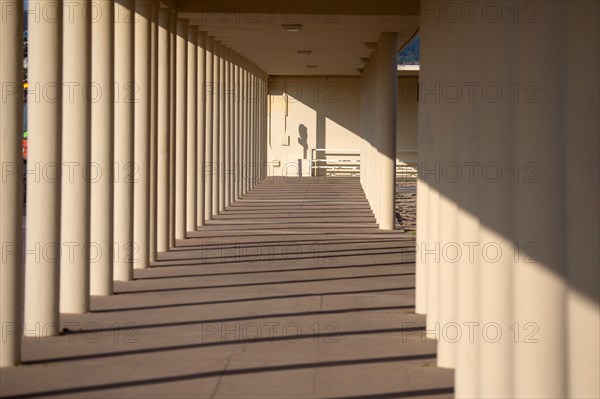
[[292, 292]]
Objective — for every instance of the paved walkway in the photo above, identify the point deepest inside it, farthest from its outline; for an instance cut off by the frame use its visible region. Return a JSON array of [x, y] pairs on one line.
[[292, 293]]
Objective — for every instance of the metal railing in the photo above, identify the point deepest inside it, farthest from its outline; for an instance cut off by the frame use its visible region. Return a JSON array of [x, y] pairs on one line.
[[406, 170], [344, 162]]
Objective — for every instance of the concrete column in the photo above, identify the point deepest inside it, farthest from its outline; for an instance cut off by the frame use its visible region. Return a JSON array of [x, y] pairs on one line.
[[43, 190], [209, 98], [142, 132], [242, 128], [259, 129], [226, 130], [429, 154], [180, 129], [258, 125], [493, 124], [173, 129], [261, 132], [192, 129], [75, 189], [252, 129], [245, 128], [582, 165], [248, 127], [450, 250], [367, 126], [450, 253], [232, 142], [259, 121], [423, 210], [124, 163], [433, 244], [445, 115], [216, 141], [468, 300], [222, 127], [237, 129], [386, 85], [423, 218], [363, 131], [102, 142], [255, 127], [259, 135], [531, 207], [201, 130], [153, 129], [11, 196], [539, 219], [265, 122], [468, 358], [163, 128]]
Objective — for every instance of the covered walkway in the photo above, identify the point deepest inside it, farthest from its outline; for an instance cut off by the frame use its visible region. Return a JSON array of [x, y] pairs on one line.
[[292, 292], [155, 127]]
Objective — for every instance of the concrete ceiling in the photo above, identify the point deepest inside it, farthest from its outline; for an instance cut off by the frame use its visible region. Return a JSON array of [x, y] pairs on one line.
[[337, 33]]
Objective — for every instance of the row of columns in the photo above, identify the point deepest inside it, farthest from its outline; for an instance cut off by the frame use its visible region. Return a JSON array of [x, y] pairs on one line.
[[507, 199], [378, 130], [142, 128]]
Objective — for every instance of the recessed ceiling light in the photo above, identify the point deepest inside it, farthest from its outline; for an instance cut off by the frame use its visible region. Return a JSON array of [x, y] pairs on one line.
[[304, 52], [292, 27], [311, 66]]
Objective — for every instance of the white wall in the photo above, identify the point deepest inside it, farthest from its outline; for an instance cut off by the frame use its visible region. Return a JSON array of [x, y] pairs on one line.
[[327, 112]]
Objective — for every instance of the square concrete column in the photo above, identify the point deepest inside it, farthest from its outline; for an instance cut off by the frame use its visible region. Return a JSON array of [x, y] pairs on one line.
[[11, 195]]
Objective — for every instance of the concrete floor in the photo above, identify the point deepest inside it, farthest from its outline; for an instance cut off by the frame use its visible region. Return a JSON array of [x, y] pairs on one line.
[[292, 293]]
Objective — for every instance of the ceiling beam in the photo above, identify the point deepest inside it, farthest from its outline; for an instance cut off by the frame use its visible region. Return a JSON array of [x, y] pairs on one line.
[[301, 7]]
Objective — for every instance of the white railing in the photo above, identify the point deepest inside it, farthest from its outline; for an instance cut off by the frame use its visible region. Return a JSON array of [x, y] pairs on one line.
[[334, 162], [345, 162], [406, 170]]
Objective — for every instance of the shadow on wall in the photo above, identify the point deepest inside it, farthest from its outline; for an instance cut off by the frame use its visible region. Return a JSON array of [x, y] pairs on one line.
[[303, 139], [325, 112]]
